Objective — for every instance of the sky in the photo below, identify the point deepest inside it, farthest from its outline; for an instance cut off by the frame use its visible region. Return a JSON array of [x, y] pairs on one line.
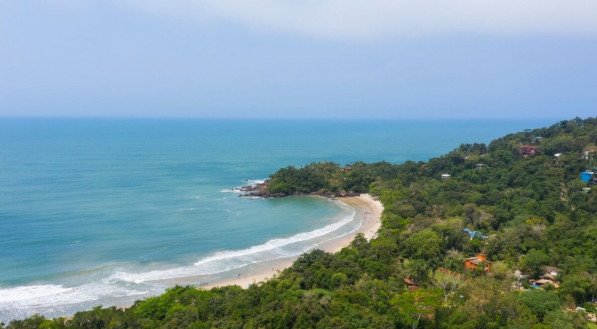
[[299, 59]]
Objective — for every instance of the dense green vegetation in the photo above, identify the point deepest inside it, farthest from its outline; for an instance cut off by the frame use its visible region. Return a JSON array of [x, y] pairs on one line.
[[530, 212]]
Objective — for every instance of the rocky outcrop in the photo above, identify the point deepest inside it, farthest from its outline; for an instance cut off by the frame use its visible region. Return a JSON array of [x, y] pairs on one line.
[[257, 189], [260, 190]]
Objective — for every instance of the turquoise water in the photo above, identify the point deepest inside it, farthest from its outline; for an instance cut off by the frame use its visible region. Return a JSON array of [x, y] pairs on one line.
[[96, 210]]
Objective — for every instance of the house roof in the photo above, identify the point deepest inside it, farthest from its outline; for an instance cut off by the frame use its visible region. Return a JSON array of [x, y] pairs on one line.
[[474, 260], [474, 234]]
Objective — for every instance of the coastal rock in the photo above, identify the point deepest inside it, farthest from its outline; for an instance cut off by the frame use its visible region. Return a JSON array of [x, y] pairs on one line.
[[260, 190], [255, 190]]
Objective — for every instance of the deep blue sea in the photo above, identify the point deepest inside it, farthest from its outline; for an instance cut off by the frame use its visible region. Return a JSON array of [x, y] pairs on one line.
[[93, 210]]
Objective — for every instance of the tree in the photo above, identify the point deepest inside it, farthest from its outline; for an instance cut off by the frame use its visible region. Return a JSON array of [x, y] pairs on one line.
[[533, 261], [425, 244], [564, 320], [411, 306], [447, 281], [338, 279], [540, 301]]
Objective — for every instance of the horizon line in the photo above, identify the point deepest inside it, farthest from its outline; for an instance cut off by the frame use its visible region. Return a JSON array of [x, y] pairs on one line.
[[239, 118]]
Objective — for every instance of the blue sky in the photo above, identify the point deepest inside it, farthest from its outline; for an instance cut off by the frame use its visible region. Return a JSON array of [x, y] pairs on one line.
[[288, 59]]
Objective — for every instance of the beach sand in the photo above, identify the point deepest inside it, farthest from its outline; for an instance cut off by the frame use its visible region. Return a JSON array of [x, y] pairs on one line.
[[365, 206]]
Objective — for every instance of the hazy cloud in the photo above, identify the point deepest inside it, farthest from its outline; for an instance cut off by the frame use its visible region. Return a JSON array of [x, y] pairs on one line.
[[380, 18]]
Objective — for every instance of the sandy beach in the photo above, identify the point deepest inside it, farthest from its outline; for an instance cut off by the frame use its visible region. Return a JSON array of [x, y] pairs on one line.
[[368, 208]]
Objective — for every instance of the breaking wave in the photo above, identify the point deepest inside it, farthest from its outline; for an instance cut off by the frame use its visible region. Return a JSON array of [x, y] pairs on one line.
[[229, 260], [121, 283]]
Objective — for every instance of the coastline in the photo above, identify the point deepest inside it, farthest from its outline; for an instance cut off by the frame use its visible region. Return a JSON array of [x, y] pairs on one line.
[[364, 205], [367, 211]]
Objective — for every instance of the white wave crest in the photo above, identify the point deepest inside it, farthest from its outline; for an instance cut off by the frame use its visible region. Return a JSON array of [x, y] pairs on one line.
[[229, 260], [277, 243], [239, 189], [57, 299], [227, 190], [253, 182], [48, 295]]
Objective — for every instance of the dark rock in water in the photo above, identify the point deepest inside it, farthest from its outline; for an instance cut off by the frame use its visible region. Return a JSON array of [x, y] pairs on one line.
[[255, 190]]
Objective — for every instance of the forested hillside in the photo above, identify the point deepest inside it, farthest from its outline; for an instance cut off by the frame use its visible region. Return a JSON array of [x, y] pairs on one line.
[[487, 236]]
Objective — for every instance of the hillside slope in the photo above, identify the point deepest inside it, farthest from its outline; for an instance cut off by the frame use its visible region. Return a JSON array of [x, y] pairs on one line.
[[487, 236]]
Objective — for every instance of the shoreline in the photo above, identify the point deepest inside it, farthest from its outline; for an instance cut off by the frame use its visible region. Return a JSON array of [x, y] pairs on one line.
[[367, 210], [364, 205]]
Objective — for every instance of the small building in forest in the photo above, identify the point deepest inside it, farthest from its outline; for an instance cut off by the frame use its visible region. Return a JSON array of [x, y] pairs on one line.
[[586, 176], [472, 263], [410, 283], [589, 151], [446, 176], [544, 282], [474, 234], [528, 150], [550, 273]]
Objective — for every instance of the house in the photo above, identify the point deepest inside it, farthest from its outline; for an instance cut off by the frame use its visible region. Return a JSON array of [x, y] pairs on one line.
[[589, 151], [474, 234], [410, 283], [543, 283], [549, 278], [550, 273], [586, 176], [557, 155], [473, 263], [480, 166], [528, 150], [446, 176]]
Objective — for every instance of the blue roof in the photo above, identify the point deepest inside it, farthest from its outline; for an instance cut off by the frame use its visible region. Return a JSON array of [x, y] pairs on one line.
[[586, 176], [474, 234]]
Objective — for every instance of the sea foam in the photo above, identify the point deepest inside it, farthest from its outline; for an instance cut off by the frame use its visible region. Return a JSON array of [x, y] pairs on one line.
[[239, 189], [229, 260], [52, 299], [59, 299]]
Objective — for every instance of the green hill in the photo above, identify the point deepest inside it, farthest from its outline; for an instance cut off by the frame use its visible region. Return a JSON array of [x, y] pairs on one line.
[[522, 210]]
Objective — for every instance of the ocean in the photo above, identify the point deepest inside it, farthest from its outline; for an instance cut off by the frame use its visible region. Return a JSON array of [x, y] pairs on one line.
[[106, 211]]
